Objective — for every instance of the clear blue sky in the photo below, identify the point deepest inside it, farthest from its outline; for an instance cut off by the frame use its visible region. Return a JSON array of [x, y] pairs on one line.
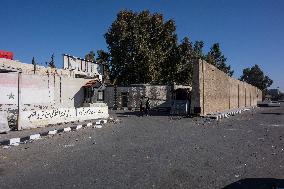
[[249, 32]]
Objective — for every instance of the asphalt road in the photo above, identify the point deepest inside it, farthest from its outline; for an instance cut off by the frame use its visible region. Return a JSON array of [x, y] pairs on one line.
[[243, 151]]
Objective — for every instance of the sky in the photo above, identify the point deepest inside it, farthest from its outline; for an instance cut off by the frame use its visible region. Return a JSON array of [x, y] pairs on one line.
[[249, 32]]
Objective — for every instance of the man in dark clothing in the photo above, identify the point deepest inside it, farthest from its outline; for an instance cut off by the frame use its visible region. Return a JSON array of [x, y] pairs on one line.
[[142, 107], [147, 108]]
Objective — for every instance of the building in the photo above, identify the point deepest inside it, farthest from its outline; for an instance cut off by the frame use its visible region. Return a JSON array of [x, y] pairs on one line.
[[29, 88], [172, 98]]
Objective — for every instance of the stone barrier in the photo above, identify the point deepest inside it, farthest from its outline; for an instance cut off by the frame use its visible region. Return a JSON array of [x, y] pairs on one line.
[[4, 122]]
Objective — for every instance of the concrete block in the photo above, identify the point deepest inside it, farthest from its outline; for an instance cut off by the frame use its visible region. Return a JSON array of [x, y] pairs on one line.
[[4, 127], [67, 129], [35, 136], [52, 132], [15, 141]]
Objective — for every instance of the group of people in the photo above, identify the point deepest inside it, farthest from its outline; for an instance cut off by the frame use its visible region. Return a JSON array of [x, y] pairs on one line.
[[144, 106]]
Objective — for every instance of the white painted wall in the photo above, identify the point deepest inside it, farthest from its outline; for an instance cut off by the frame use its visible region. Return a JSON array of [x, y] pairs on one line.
[[36, 89], [41, 92], [90, 113], [41, 118], [72, 92], [8, 88], [38, 118]]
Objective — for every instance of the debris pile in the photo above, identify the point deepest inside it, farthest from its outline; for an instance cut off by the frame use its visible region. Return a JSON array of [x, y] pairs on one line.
[[114, 120]]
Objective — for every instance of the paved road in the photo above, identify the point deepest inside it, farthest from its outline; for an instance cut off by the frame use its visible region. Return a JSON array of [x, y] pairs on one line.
[[244, 151]]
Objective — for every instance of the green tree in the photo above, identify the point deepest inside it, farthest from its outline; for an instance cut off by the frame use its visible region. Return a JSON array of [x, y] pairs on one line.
[[51, 64], [104, 59], [216, 58], [140, 46], [90, 56], [256, 77], [198, 50], [34, 64], [281, 96], [184, 69]]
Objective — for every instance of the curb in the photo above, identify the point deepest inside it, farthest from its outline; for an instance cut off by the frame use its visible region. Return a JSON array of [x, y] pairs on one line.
[[227, 114], [36, 136]]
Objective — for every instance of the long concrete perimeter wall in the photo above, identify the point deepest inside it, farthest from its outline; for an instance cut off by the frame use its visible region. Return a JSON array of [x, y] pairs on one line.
[[214, 91]]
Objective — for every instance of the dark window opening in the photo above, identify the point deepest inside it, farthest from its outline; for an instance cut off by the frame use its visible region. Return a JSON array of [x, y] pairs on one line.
[[124, 99]]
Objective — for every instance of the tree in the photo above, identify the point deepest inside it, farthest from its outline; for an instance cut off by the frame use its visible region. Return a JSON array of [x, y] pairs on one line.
[[140, 46], [198, 50], [256, 77], [104, 59], [90, 56], [51, 64], [184, 67], [281, 96], [34, 64], [216, 58]]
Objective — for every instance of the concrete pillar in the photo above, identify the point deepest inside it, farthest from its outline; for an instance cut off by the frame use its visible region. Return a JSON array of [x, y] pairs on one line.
[[197, 104], [19, 126]]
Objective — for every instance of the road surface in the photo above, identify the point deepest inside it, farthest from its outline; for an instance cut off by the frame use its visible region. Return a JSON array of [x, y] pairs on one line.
[[245, 151]]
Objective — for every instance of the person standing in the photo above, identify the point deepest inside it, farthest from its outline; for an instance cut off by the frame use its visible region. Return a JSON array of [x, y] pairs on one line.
[[142, 107], [147, 107]]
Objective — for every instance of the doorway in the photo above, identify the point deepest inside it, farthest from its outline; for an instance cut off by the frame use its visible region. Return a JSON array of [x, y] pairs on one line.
[[124, 99]]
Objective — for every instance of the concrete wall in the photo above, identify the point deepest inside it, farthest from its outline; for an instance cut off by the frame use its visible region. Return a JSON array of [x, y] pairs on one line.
[[40, 91], [72, 92], [214, 91], [14, 65], [41, 118], [4, 127], [9, 88], [89, 69], [34, 90], [160, 95], [47, 96]]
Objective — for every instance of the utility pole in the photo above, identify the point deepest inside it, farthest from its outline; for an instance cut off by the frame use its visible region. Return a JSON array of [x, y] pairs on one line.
[[19, 127]]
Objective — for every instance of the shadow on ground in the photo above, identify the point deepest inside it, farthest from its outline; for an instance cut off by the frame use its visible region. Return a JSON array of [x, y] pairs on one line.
[[272, 113], [257, 183], [151, 113], [139, 114]]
